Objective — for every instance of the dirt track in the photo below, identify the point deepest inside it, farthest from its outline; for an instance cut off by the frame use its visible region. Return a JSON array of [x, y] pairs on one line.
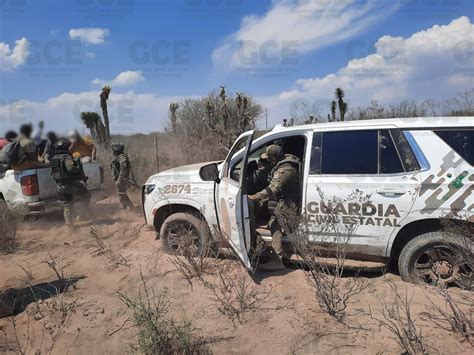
[[289, 321]]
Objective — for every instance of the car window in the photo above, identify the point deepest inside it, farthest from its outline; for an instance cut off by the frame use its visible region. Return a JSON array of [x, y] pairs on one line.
[[238, 146], [389, 159], [405, 150], [237, 167], [461, 141], [353, 152]]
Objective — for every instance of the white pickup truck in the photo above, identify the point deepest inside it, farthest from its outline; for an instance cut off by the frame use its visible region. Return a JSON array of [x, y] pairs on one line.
[[414, 173], [33, 191]]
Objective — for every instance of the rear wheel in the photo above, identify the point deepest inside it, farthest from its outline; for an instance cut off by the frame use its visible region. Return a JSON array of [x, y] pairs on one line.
[[185, 234], [438, 259]]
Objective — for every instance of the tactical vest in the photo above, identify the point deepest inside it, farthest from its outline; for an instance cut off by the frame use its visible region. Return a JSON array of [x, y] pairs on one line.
[[116, 166], [61, 174], [291, 192]]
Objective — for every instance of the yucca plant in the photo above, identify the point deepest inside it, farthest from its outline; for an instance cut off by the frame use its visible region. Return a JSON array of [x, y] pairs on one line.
[[340, 102]]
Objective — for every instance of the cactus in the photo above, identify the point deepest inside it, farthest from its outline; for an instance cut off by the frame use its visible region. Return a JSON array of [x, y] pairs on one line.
[[173, 108], [342, 105]]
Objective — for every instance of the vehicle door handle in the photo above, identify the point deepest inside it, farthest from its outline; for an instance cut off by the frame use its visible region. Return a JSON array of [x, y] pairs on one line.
[[231, 201], [388, 193]]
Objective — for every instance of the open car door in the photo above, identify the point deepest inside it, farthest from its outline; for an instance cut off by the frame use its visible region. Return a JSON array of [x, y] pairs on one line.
[[232, 202]]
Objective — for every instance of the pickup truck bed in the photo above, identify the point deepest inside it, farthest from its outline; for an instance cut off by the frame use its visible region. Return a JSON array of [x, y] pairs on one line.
[[33, 191]]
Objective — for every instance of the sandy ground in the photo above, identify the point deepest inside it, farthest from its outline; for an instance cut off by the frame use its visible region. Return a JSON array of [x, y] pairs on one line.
[[91, 319]]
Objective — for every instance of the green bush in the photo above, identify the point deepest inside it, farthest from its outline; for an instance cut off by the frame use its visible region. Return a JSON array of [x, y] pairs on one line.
[[158, 332]]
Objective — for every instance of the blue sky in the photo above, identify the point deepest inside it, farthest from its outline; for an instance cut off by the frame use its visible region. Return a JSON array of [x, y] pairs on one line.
[[278, 51]]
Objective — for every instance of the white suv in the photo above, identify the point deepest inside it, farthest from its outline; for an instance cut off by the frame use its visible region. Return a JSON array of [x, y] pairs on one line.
[[415, 173]]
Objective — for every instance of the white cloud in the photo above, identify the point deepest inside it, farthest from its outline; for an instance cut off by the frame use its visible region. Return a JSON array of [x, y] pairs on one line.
[[90, 55], [89, 35], [435, 63], [129, 112], [126, 78], [12, 58], [300, 26]]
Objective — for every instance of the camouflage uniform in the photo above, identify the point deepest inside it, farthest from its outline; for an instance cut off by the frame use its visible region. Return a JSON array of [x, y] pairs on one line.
[[29, 148], [284, 189], [121, 175], [26, 158], [70, 179]]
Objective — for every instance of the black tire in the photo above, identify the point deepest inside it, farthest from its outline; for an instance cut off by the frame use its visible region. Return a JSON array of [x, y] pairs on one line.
[[438, 259], [185, 234]]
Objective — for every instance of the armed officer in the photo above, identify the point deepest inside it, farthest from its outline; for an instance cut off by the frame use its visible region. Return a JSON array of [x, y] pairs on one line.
[[70, 180], [121, 173], [283, 190]]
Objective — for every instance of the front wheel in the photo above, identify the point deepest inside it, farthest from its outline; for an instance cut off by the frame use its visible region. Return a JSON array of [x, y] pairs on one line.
[[185, 234], [438, 258]]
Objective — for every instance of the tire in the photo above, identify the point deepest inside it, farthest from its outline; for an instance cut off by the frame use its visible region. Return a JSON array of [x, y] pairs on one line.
[[439, 259], [185, 234]]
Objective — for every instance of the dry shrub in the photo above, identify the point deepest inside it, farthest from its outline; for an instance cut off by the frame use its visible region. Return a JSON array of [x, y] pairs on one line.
[[100, 235], [57, 266], [452, 317], [158, 332], [9, 225], [324, 264], [192, 263], [234, 291], [154, 261], [397, 318], [231, 288]]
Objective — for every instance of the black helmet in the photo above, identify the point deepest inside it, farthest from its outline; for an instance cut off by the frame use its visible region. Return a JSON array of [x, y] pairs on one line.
[[11, 135], [117, 148], [62, 145]]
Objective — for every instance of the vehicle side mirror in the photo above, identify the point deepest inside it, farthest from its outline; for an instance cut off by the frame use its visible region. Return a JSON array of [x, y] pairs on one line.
[[210, 173]]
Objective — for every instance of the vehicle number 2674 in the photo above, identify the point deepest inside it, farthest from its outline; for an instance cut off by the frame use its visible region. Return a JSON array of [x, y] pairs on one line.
[[177, 189]]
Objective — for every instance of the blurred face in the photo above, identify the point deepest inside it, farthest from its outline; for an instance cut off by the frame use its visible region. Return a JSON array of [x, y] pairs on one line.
[[26, 132], [273, 162], [73, 138]]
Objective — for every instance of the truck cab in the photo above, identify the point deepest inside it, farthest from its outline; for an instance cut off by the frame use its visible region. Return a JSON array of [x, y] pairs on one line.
[[394, 181]]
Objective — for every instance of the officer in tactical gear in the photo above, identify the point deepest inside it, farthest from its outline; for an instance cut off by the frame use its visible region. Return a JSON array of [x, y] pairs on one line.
[[70, 180], [121, 174], [283, 190]]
